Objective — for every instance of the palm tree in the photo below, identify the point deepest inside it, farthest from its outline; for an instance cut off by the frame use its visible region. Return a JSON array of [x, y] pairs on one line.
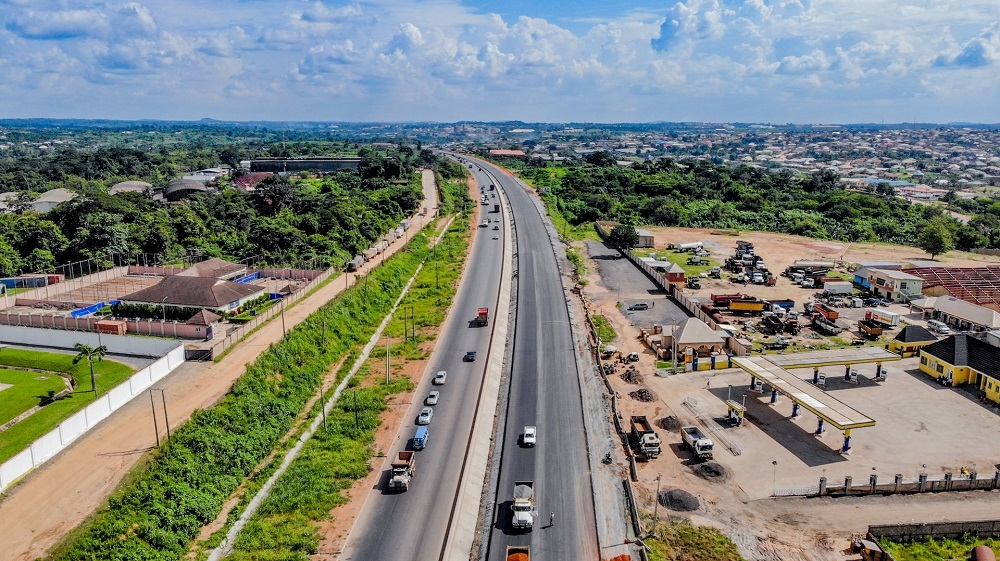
[[90, 353]]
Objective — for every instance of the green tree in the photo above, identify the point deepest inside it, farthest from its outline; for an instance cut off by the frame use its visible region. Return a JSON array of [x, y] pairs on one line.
[[623, 236], [936, 237], [89, 353], [10, 260]]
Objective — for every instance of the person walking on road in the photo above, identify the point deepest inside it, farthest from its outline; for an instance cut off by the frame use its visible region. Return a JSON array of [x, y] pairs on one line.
[[552, 518]]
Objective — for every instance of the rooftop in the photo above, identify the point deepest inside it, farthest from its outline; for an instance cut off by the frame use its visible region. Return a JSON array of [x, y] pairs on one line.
[[963, 350], [199, 292]]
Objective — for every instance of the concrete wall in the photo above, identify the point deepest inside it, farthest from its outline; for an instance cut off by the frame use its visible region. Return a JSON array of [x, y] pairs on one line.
[[68, 431], [954, 530], [116, 344], [152, 327]]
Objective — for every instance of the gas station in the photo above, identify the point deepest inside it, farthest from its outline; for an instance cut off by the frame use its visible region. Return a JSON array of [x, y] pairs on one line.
[[773, 370]]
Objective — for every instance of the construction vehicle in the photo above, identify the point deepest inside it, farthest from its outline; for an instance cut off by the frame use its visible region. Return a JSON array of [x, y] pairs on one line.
[[870, 328], [644, 438], [824, 325], [780, 342], [697, 442], [483, 317], [826, 311], [722, 300], [403, 468], [518, 553], [523, 505], [693, 283], [750, 306]]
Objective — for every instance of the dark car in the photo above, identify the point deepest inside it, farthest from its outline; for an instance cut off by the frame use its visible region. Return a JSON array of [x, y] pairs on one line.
[[470, 356]]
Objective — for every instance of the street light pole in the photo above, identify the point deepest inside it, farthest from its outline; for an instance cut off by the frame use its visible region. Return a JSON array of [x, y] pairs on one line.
[[656, 503], [163, 305], [388, 343], [774, 478]]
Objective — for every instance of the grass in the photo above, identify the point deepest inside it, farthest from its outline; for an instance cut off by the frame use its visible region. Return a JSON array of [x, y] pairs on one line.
[[938, 550], [579, 265], [285, 526], [29, 389], [108, 373], [604, 329], [679, 258], [683, 541]]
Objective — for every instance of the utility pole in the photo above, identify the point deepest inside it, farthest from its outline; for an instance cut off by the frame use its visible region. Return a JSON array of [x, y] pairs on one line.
[[322, 403], [388, 344]]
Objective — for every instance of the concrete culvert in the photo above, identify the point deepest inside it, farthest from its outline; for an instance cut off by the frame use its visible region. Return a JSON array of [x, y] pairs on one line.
[[678, 500], [711, 470]]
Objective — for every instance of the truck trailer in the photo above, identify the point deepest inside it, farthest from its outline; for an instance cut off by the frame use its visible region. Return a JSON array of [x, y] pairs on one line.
[[644, 438], [870, 328], [483, 317], [747, 306], [842, 288], [885, 317], [697, 442]]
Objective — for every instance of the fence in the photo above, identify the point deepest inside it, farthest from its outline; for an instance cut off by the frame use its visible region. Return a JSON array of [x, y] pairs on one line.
[[47, 446], [898, 485]]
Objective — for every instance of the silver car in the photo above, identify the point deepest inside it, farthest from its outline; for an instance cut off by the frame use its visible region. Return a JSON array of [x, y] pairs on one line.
[[432, 398], [425, 416]]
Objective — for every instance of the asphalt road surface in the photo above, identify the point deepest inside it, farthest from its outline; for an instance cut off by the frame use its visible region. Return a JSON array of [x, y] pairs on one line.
[[413, 525], [544, 392]]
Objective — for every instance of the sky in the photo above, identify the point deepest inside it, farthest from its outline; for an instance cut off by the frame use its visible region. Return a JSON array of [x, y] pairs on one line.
[[761, 61]]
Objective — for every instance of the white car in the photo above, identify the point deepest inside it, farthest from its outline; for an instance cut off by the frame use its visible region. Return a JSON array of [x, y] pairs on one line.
[[440, 378], [528, 438], [432, 398], [425, 416]]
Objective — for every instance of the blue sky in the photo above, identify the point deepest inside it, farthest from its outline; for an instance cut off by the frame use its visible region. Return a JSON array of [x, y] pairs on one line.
[[801, 61]]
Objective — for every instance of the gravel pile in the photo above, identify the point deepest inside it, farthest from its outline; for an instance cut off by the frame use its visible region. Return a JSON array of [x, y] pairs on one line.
[[669, 423], [642, 394], [711, 470], [632, 376], [678, 500]]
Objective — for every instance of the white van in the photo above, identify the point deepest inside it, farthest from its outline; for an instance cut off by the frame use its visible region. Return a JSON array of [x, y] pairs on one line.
[[938, 327]]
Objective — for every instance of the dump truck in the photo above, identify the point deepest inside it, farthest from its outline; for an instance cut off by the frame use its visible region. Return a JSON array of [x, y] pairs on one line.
[[644, 438], [518, 553], [724, 299], [697, 442], [870, 328], [483, 317], [403, 468], [826, 311], [523, 505], [356, 263], [747, 306], [885, 317], [824, 325]]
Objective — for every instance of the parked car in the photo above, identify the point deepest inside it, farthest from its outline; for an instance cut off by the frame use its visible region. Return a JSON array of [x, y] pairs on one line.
[[432, 398], [440, 378], [496, 237], [639, 306], [425, 416]]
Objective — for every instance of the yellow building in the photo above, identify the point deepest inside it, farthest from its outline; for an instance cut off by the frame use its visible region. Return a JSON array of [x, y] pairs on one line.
[[910, 340], [961, 359]]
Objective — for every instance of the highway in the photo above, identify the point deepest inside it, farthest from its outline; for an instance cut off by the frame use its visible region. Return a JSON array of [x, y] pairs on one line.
[[545, 392], [413, 525]]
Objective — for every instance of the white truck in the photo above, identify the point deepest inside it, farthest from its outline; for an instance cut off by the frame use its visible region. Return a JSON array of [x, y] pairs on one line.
[[403, 468], [524, 505], [884, 317], [689, 246], [644, 438], [696, 440]]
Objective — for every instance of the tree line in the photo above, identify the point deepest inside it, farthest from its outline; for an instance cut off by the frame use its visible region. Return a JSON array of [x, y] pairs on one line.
[[700, 194], [325, 219]]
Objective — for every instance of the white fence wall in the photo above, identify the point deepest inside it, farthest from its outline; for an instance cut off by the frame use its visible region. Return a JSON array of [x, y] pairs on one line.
[[72, 428], [57, 338]]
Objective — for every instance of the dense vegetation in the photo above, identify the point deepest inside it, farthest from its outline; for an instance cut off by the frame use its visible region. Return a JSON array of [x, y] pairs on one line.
[[183, 487], [700, 194], [326, 220], [931, 549]]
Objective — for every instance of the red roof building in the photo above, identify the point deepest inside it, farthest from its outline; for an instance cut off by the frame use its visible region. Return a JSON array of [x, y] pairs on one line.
[[249, 181]]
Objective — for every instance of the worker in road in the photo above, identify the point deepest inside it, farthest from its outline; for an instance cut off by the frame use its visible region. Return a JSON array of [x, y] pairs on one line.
[[552, 518]]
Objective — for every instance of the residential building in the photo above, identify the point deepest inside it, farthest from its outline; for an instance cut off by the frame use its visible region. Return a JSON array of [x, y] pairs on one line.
[[864, 268], [962, 359], [893, 285]]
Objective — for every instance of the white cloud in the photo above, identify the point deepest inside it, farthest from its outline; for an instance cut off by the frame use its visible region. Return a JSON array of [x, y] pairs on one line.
[[693, 60]]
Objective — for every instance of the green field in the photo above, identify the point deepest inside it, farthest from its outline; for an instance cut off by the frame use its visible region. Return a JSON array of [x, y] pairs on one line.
[[29, 388], [937, 550], [108, 373]]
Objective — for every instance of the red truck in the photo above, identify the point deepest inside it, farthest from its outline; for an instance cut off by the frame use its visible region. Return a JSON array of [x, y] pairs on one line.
[[483, 318], [827, 312]]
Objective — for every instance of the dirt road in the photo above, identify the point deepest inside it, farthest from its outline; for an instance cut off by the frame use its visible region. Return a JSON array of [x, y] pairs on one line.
[[56, 498]]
